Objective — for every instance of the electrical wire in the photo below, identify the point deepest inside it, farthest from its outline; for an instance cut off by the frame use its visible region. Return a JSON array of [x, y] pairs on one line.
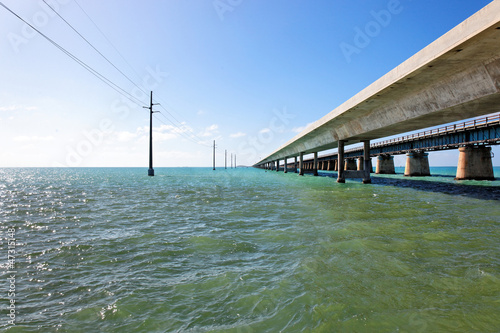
[[183, 133], [80, 62], [107, 39], [92, 46], [180, 125]]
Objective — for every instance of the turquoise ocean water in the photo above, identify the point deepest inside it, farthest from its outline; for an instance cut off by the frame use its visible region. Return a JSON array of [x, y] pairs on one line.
[[244, 250]]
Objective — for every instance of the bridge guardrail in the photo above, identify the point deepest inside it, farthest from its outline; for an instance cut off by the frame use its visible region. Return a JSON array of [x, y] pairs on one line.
[[484, 121]]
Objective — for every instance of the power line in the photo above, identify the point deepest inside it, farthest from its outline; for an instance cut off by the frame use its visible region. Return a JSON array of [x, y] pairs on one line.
[[107, 39], [92, 46], [104, 79], [183, 134], [80, 62], [180, 125]]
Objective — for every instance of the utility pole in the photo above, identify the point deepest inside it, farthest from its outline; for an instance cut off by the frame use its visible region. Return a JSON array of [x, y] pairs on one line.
[[225, 159], [151, 171], [214, 154]]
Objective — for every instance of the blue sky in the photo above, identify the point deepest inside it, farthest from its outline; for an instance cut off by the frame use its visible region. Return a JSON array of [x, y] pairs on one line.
[[248, 73]]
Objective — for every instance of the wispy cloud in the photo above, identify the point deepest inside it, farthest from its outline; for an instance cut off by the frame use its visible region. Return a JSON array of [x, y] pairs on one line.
[[265, 130], [301, 128], [210, 131], [237, 135]]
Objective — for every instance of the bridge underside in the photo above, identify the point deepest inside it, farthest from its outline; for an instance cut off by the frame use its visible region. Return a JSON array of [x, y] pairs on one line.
[[455, 78], [468, 94]]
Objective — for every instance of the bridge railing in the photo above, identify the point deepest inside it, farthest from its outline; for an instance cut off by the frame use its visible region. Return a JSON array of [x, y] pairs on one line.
[[484, 121]]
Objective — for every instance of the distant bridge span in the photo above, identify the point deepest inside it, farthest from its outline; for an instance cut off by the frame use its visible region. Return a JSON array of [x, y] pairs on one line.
[[454, 78]]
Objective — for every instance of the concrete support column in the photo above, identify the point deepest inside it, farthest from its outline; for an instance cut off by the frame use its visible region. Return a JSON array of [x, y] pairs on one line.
[[285, 170], [336, 165], [340, 177], [417, 164], [367, 162], [361, 163], [277, 165], [385, 165], [315, 164], [295, 166], [474, 162], [301, 164], [329, 165]]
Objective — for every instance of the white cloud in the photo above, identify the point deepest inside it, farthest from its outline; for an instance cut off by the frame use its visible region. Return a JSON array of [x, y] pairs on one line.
[[298, 129], [210, 131], [237, 135], [301, 128], [265, 130], [125, 136]]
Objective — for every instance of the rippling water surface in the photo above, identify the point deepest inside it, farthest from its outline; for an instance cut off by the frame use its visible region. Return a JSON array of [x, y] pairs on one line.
[[243, 250]]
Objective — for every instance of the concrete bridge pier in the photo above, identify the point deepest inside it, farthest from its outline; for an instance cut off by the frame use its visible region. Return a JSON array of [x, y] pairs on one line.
[[295, 166], [474, 162], [301, 164], [315, 165], [367, 161], [385, 165], [277, 165], [361, 163], [340, 176], [336, 165], [417, 164], [285, 166], [350, 170]]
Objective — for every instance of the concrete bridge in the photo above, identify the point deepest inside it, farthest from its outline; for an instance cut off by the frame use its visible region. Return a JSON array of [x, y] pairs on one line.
[[470, 136], [454, 78]]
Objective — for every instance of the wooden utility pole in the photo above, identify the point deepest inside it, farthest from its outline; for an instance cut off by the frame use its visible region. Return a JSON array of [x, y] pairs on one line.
[[151, 171]]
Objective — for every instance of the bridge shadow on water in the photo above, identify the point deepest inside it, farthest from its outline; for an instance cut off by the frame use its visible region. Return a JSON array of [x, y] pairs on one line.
[[483, 191]]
